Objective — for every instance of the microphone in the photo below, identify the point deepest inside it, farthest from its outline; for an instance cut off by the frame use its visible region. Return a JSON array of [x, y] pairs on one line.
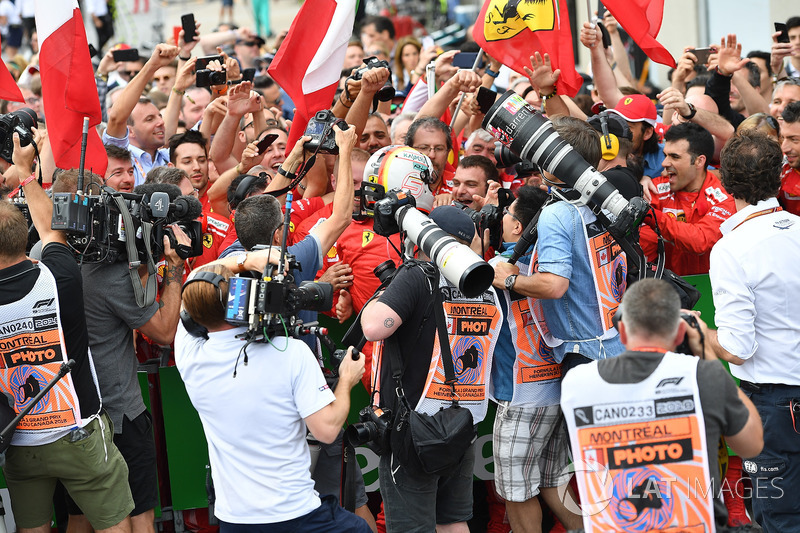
[[147, 190], [186, 208]]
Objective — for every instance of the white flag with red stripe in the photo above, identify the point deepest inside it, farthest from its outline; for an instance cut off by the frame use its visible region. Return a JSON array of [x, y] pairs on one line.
[[310, 59], [69, 92]]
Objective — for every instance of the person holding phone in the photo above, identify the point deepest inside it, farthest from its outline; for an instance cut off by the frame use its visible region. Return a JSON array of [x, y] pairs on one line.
[[786, 45]]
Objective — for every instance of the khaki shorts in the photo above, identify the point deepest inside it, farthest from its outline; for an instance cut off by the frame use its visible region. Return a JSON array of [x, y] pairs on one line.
[[92, 470]]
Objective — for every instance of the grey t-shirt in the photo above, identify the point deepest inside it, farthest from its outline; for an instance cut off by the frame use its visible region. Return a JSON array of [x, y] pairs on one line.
[[723, 411], [111, 317]]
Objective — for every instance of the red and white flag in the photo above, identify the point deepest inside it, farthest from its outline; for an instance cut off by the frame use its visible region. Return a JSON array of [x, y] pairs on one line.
[[310, 59], [69, 92], [9, 90]]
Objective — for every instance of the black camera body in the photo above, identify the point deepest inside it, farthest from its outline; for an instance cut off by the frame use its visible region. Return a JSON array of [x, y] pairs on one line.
[[207, 77], [20, 121], [371, 430], [320, 129], [386, 92]]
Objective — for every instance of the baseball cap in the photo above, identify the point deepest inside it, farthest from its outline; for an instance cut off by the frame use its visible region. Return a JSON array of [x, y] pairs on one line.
[[636, 108], [454, 221]]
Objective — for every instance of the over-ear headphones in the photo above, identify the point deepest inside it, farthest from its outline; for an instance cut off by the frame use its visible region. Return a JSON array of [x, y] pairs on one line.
[[609, 142], [193, 328]]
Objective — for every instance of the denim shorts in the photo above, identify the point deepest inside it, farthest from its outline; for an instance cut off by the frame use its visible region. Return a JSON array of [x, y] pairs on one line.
[[415, 502]]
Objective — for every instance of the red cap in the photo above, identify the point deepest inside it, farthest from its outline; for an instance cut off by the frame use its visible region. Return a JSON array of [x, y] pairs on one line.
[[636, 108]]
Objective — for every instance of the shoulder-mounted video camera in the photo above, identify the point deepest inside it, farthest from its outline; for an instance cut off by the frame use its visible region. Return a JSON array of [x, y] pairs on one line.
[[99, 226]]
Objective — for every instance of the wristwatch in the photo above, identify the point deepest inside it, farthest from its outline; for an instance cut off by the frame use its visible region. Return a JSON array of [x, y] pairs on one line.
[[510, 280], [240, 261]]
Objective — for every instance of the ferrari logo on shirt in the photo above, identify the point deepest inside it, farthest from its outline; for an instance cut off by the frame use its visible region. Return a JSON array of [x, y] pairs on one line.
[[507, 18], [366, 238], [208, 240]]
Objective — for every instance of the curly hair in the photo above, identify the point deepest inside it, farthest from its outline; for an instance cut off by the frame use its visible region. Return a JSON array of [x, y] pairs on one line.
[[751, 166]]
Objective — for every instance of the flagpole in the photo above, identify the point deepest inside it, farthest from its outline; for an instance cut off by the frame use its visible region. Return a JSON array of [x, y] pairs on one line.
[[463, 95], [592, 18]]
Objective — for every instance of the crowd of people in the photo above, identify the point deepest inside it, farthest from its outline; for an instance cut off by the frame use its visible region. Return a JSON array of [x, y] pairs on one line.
[[592, 369]]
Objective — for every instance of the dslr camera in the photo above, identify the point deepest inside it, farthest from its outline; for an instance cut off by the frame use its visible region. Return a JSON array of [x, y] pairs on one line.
[[386, 92], [207, 77], [20, 121], [371, 430], [320, 129]]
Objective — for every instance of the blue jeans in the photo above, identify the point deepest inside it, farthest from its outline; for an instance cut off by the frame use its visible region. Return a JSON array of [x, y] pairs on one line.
[[775, 472], [327, 518], [414, 502]]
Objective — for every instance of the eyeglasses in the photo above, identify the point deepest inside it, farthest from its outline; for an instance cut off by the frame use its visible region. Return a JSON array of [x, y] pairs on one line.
[[249, 43], [129, 73], [427, 149], [507, 211]]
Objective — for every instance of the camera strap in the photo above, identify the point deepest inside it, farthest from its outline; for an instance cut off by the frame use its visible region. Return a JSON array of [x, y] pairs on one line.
[[145, 294]]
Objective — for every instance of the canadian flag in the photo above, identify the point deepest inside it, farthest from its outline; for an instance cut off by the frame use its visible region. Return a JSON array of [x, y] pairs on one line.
[[310, 59], [69, 92]]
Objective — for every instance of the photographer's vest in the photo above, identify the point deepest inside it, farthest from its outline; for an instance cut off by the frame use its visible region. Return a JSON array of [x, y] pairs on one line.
[[472, 325], [609, 268], [537, 375], [32, 350], [640, 449]]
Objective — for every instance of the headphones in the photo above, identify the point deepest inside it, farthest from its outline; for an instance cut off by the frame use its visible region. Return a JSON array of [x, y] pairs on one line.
[[609, 143], [193, 328]]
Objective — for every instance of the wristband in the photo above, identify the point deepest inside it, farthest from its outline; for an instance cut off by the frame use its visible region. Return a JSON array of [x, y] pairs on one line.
[[176, 91], [184, 58], [286, 174], [103, 77], [546, 97], [692, 112], [27, 180], [341, 100], [490, 72]]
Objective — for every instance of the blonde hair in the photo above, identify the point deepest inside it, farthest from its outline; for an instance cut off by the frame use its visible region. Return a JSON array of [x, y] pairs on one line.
[[204, 302]]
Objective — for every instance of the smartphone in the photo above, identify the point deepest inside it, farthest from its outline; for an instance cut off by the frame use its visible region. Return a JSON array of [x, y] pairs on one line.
[[266, 142], [131, 54], [466, 60], [486, 98], [702, 55], [189, 28], [784, 36], [427, 42], [601, 10], [202, 62], [92, 50], [248, 74]]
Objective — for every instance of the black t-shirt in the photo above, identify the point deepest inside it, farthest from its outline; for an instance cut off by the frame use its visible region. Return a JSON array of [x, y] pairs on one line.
[[409, 295], [723, 411], [69, 284]]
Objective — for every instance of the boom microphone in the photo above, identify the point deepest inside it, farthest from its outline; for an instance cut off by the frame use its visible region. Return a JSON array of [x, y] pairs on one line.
[[186, 208]]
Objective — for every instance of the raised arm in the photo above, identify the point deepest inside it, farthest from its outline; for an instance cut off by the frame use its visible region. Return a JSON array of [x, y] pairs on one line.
[[129, 97], [603, 75]]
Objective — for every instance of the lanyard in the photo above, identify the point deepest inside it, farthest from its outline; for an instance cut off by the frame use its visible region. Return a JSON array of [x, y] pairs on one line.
[[758, 214]]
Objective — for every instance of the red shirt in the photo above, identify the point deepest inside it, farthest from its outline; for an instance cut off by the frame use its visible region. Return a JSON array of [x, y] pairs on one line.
[[789, 195], [689, 223]]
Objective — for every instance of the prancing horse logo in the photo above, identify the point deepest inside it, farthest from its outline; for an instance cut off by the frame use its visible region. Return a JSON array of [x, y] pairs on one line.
[[507, 18]]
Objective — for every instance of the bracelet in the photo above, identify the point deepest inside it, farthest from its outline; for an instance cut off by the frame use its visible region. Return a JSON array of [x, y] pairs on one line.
[[490, 72], [286, 174], [418, 73], [103, 77], [692, 112], [184, 58], [222, 91], [546, 97], [341, 100], [613, 65], [176, 91], [238, 168], [27, 180]]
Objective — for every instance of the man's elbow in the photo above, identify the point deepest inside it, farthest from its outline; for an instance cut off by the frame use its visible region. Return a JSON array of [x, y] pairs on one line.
[[371, 330], [163, 337]]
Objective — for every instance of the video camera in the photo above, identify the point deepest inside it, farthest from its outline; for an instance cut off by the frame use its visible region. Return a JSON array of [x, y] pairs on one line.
[[320, 129], [385, 93], [99, 227]]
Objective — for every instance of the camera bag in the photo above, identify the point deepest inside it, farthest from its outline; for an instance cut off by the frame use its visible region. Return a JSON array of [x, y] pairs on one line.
[[424, 443]]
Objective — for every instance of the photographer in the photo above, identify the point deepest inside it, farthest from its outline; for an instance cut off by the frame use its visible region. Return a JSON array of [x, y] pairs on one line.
[[67, 437], [112, 314], [404, 319], [650, 398], [256, 440]]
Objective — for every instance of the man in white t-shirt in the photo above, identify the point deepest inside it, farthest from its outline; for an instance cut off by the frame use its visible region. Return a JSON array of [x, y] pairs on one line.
[[255, 410]]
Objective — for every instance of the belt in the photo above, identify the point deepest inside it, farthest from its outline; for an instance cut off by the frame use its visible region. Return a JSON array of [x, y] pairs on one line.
[[748, 386]]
